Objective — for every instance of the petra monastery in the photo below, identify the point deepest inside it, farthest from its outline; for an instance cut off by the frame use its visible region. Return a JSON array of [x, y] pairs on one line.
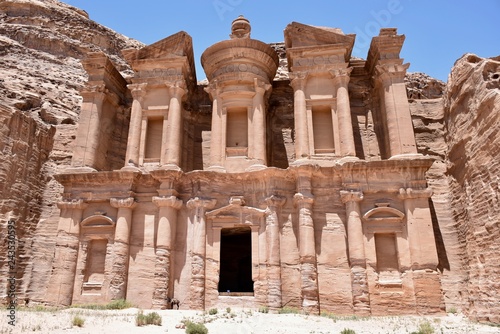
[[214, 216]]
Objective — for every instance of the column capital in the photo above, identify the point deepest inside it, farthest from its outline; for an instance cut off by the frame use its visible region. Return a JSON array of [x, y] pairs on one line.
[[94, 91], [388, 72], [73, 204], [341, 73], [167, 201], [275, 201], [212, 88], [122, 202], [197, 202], [301, 199], [298, 79], [177, 88], [410, 193], [138, 91], [261, 86], [351, 196]]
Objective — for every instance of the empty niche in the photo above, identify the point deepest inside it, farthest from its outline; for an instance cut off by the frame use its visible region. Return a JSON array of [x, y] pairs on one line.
[[153, 140], [322, 129], [237, 131]]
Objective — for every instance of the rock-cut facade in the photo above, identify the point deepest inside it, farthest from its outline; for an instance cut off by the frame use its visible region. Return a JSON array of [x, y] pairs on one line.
[[303, 189]]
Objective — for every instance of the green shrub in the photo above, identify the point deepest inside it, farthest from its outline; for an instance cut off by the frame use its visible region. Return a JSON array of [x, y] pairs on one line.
[[195, 328], [213, 311], [118, 304], [228, 310], [424, 328], [78, 321], [264, 309], [347, 331], [152, 318], [452, 310], [288, 310]]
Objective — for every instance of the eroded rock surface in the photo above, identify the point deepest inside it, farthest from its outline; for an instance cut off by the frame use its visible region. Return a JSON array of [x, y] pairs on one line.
[[472, 118], [41, 45]]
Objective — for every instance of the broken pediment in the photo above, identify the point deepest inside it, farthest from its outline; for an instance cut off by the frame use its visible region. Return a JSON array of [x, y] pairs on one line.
[[171, 53], [302, 35]]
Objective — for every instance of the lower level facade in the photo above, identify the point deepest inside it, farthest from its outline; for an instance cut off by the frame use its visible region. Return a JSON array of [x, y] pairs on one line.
[[350, 238]]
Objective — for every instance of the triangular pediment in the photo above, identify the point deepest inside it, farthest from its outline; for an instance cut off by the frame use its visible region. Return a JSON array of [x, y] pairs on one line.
[[302, 35]]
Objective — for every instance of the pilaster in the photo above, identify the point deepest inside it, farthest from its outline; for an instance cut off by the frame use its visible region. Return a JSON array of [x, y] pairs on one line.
[[165, 241], [174, 144], [66, 252], [119, 271], [357, 258], [274, 204], [421, 239], [298, 82], [138, 92], [341, 79], [199, 207], [390, 80]]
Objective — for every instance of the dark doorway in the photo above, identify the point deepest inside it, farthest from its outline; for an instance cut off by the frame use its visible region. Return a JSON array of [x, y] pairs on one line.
[[236, 260]]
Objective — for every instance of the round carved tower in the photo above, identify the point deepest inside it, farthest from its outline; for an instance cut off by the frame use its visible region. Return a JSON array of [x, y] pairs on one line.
[[240, 71]]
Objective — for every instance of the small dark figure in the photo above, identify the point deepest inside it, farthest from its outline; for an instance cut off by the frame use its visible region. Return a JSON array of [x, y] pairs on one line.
[[172, 302], [26, 301]]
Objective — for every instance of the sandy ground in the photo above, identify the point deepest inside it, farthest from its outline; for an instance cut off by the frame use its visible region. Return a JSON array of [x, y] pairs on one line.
[[236, 322]]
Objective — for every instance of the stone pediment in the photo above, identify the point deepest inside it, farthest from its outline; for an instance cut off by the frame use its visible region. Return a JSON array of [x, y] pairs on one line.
[[302, 35], [172, 52], [236, 210], [179, 44]]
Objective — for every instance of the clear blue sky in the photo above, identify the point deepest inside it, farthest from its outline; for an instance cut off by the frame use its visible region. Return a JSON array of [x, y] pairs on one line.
[[437, 32]]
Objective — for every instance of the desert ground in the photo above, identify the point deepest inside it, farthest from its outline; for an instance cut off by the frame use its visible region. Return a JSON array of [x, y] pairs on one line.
[[240, 321]]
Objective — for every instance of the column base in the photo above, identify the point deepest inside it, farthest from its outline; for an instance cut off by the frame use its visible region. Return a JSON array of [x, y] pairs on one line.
[[77, 170], [255, 167], [170, 167], [218, 169], [347, 159], [406, 156], [130, 168]]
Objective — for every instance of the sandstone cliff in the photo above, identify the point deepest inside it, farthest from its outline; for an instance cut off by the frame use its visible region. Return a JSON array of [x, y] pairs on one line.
[[472, 119], [41, 44]]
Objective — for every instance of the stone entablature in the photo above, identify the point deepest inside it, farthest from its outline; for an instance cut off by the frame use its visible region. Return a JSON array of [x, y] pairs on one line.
[[333, 231]]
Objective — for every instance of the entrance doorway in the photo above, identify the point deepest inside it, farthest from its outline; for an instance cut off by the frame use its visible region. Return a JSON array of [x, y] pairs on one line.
[[236, 260]]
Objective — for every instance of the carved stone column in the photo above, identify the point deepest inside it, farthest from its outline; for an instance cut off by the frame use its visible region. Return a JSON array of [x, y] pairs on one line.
[[119, 271], [307, 250], [198, 254], [173, 158], [390, 79], [259, 124], [341, 79], [165, 240], [357, 259], [89, 129], [298, 83], [217, 151], [274, 204], [421, 239], [134, 132], [66, 252]]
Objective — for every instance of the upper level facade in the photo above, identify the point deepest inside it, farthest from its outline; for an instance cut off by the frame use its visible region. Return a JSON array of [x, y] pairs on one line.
[[323, 107]]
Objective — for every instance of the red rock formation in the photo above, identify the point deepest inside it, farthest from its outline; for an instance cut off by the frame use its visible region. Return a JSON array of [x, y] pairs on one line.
[[41, 44], [472, 118]]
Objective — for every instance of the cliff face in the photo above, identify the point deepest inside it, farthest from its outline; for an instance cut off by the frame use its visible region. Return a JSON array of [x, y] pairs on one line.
[[41, 44], [472, 118]]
